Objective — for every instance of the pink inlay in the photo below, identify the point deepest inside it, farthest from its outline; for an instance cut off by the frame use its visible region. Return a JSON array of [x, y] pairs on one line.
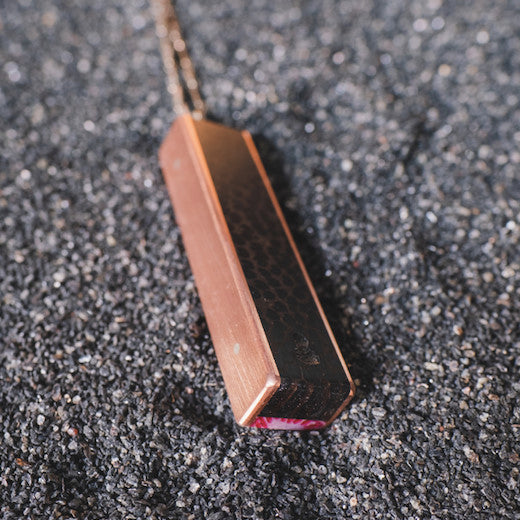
[[280, 423]]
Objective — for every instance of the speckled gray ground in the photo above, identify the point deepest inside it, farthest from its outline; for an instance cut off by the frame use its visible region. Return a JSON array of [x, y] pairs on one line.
[[391, 130]]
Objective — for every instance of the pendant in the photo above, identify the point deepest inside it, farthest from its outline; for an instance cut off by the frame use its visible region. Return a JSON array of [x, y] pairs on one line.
[[280, 362]]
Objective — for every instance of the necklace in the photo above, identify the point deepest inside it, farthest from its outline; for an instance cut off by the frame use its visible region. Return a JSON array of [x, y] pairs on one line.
[[279, 359]]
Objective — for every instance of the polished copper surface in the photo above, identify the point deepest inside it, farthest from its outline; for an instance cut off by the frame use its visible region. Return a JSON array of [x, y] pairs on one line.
[[275, 348]]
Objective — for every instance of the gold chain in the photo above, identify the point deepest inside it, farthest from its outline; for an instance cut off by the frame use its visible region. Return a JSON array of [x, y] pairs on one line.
[[182, 83]]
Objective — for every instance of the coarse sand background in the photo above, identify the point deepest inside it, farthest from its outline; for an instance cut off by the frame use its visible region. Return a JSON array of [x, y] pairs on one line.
[[391, 132]]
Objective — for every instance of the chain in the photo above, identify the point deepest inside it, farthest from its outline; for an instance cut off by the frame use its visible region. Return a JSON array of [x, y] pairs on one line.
[[182, 83]]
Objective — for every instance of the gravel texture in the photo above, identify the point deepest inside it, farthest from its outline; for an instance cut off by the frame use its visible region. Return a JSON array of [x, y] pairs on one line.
[[391, 131]]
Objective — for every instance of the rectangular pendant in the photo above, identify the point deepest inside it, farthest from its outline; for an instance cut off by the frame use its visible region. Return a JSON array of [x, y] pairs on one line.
[[280, 362]]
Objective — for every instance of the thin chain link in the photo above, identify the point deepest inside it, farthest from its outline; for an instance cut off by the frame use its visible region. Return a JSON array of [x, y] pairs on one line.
[[182, 83]]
